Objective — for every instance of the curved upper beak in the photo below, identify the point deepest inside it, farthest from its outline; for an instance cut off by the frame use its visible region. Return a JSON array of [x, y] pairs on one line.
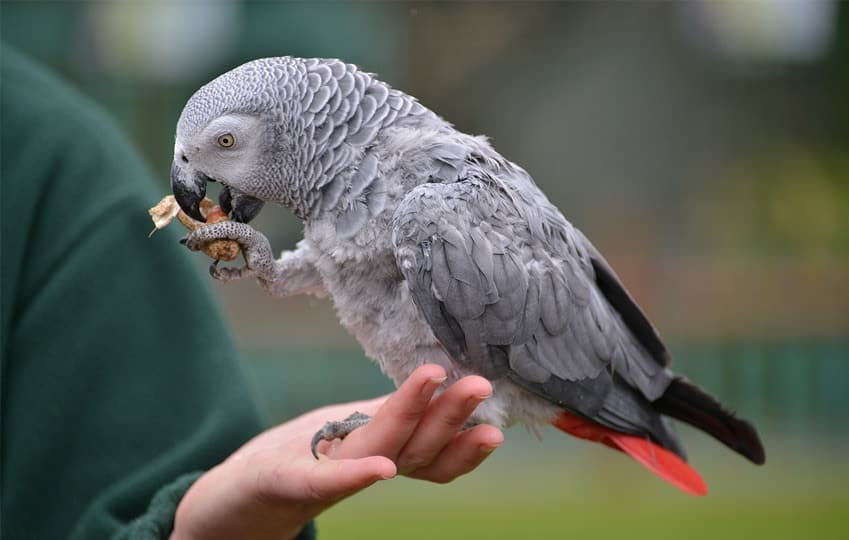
[[189, 189]]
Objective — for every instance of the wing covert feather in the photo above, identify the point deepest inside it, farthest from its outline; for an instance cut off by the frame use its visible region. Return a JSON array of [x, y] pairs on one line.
[[506, 302]]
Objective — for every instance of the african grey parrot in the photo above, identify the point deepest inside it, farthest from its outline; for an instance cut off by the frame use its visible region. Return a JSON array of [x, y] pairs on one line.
[[436, 249]]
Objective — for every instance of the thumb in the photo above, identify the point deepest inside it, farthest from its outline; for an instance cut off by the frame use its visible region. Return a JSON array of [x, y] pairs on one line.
[[334, 479]]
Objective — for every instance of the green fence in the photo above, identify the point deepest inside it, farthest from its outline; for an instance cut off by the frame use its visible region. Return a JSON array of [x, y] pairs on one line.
[[796, 387]]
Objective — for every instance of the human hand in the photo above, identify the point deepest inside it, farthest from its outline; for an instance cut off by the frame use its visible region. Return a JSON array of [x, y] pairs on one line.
[[272, 486]]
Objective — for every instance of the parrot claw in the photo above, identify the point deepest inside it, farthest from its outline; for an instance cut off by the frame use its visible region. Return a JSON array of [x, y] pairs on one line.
[[191, 242], [229, 274], [338, 430]]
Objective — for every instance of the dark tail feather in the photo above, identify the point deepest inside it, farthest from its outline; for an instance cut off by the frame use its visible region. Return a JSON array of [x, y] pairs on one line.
[[691, 404]]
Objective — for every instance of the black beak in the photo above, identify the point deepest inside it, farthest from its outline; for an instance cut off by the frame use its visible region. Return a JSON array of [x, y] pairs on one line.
[[240, 207], [189, 190]]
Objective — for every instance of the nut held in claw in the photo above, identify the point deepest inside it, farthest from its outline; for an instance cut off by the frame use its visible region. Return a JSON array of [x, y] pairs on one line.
[[164, 213]]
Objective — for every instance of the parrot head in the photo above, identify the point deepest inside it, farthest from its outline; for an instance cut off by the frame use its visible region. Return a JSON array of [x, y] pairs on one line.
[[239, 130], [281, 130], [227, 150]]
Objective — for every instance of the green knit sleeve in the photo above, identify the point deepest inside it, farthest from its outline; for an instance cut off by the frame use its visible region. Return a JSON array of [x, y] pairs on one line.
[[158, 521]]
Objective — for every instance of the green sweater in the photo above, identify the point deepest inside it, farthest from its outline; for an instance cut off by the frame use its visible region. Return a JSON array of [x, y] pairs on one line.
[[119, 382]]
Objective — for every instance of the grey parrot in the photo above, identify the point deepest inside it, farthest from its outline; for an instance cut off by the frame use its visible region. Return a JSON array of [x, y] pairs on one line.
[[436, 249]]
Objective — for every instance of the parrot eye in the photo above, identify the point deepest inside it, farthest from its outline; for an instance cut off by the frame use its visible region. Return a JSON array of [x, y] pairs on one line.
[[227, 140]]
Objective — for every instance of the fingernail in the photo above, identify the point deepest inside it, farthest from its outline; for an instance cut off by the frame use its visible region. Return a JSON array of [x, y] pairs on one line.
[[432, 384], [474, 401], [486, 450]]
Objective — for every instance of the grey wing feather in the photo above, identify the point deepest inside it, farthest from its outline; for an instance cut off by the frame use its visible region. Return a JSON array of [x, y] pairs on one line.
[[507, 303], [621, 300]]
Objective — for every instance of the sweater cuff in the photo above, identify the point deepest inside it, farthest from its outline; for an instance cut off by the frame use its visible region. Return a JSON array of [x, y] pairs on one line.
[[308, 532], [158, 522]]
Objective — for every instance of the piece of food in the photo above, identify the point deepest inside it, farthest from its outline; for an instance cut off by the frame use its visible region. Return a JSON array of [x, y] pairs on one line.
[[163, 213], [167, 209]]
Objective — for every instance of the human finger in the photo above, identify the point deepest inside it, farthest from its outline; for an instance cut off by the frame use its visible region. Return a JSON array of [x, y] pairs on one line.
[[462, 455], [333, 479], [443, 419]]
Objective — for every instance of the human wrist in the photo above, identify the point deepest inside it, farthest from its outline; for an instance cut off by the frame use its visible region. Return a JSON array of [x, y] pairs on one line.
[[224, 503]]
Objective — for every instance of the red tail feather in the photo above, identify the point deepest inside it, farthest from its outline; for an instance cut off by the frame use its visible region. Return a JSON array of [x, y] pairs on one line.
[[657, 459]]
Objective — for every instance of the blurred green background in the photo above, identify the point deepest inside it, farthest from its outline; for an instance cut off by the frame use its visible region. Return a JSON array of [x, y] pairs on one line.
[[703, 146]]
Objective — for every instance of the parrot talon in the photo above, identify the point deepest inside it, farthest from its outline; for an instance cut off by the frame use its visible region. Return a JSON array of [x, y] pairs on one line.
[[318, 437], [338, 430], [214, 271], [190, 242], [229, 274]]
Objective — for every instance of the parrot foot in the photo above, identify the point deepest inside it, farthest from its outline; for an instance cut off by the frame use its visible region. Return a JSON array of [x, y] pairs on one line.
[[254, 246], [338, 430]]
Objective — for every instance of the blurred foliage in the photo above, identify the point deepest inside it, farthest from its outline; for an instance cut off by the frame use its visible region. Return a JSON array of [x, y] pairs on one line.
[[792, 200], [796, 387]]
